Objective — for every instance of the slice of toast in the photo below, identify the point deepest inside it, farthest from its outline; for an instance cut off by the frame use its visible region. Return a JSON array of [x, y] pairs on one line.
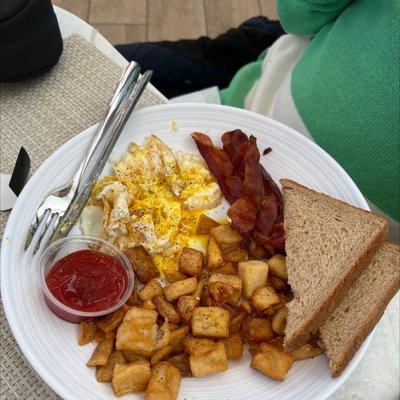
[[328, 243], [361, 309]]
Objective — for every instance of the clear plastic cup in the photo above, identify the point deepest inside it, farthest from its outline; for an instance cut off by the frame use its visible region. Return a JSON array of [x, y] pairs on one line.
[[68, 245]]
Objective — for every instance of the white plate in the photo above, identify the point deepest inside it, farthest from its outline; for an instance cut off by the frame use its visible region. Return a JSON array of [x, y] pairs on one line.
[[50, 344]]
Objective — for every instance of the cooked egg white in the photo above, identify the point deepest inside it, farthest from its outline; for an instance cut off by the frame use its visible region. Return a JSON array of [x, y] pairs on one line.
[[154, 199]]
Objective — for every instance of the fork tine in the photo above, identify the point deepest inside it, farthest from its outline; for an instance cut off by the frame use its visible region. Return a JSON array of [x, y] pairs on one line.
[[44, 240], [36, 223], [42, 232]]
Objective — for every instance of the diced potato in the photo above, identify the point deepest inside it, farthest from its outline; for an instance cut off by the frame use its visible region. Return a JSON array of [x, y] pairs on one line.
[[277, 342], [225, 236], [257, 330], [233, 346], [253, 348], [180, 288], [105, 372], [233, 280], [197, 346], [235, 255], [214, 258], [264, 297], [211, 362], [185, 306], [130, 356], [130, 378], [254, 275], [181, 361], [210, 322], [227, 269], [132, 299], [87, 333], [199, 290], [99, 336], [142, 263], [191, 262], [164, 382], [151, 289], [236, 322], [166, 309], [102, 352], [141, 315], [111, 322], [173, 275], [279, 321], [125, 308], [137, 332], [278, 283], [306, 351], [218, 294], [272, 362], [149, 305], [277, 266], [178, 334], [205, 224], [272, 310], [245, 306]]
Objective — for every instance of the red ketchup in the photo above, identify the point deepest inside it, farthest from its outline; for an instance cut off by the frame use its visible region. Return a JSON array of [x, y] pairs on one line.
[[87, 280]]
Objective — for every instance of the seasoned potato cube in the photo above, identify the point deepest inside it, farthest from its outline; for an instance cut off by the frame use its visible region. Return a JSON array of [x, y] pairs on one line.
[[185, 306], [149, 305], [151, 289], [233, 346], [164, 382], [272, 362], [105, 372], [233, 280], [191, 261], [245, 306], [210, 322], [235, 255], [278, 283], [181, 361], [272, 310], [218, 294], [111, 322], [277, 342], [102, 352], [132, 299], [87, 333], [211, 362], [130, 356], [279, 321], [99, 336], [214, 255], [199, 290], [236, 322], [137, 336], [173, 275], [180, 288], [166, 309], [197, 346], [254, 275], [277, 266], [205, 224], [306, 351], [226, 237], [257, 330], [142, 263], [130, 378], [264, 297], [253, 348], [141, 315], [227, 269]]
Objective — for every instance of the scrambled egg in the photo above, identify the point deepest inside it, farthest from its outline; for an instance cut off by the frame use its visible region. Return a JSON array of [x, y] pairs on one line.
[[154, 199]]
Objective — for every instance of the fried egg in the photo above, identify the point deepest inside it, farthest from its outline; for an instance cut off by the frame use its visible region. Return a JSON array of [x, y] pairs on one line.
[[153, 199]]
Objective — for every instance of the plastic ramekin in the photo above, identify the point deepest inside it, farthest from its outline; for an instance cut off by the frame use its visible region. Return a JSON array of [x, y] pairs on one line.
[[68, 245]]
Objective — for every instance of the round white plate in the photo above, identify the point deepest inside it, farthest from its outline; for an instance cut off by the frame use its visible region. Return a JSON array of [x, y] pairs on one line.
[[50, 344]]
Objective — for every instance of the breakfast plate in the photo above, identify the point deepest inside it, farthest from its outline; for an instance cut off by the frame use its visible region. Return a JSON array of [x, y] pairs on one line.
[[50, 344]]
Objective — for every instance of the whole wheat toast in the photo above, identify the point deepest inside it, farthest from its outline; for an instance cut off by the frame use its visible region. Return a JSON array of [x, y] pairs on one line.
[[328, 243]]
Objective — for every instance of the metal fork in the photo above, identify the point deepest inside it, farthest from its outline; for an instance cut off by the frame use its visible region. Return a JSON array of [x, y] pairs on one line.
[[65, 199]]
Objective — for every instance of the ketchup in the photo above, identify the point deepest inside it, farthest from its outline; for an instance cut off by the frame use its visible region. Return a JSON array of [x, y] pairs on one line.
[[87, 280]]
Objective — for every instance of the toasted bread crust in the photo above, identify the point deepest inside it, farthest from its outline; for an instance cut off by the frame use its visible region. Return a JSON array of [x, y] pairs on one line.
[[317, 319]]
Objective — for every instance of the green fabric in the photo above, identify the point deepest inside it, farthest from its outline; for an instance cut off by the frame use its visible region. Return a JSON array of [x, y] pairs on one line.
[[346, 88], [241, 83]]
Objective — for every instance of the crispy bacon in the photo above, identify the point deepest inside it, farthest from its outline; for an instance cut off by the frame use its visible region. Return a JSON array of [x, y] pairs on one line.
[[256, 202]]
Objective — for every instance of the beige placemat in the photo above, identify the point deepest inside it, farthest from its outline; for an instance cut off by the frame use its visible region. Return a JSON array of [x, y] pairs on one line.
[[41, 114]]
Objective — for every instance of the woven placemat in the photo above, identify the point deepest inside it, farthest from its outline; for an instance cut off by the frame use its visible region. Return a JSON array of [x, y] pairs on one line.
[[41, 114]]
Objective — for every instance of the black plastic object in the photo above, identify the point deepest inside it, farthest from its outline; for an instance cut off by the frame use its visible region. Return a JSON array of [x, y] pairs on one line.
[[21, 172], [30, 38]]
